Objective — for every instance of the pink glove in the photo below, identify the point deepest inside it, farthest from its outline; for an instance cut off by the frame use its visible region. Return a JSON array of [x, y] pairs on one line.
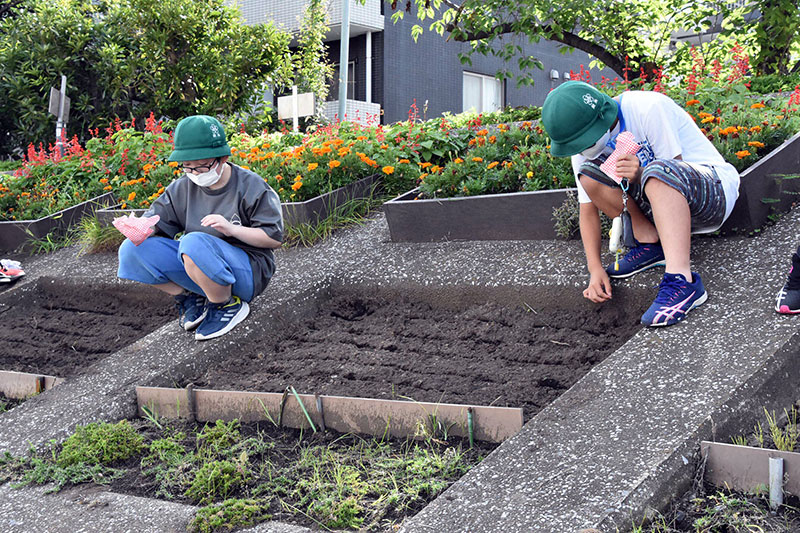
[[137, 229], [626, 144]]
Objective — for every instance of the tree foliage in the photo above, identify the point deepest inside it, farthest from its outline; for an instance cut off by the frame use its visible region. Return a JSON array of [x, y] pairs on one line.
[[628, 36], [313, 70], [126, 58]]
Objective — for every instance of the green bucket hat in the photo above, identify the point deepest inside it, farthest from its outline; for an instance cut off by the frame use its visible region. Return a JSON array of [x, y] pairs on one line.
[[199, 137], [575, 115]]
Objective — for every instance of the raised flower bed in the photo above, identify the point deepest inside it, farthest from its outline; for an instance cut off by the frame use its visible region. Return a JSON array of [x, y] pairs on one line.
[[14, 234]]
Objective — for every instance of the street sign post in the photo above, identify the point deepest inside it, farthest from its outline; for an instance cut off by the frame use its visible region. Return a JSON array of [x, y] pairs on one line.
[[295, 106], [59, 106]]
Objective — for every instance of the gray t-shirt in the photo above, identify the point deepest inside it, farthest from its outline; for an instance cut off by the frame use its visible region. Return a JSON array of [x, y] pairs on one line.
[[245, 200]]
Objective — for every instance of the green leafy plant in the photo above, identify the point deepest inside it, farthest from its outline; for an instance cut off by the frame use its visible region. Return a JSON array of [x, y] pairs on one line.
[[229, 514], [216, 480], [784, 439], [100, 444]]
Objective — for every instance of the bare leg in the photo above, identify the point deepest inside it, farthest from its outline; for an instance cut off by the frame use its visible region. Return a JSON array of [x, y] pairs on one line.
[[674, 223], [173, 289], [215, 292], [609, 201]]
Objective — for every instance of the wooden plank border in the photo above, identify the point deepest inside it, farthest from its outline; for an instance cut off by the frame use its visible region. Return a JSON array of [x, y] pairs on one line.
[[344, 414], [746, 468], [21, 385]]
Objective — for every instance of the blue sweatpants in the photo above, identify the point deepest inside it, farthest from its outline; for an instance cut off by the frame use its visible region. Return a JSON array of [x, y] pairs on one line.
[[158, 260]]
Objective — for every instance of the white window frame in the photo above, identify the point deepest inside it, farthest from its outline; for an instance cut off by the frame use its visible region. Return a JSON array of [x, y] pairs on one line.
[[484, 81]]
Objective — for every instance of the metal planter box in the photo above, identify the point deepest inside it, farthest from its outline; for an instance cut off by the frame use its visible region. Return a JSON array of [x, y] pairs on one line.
[[509, 216], [769, 187], [294, 213], [13, 234]]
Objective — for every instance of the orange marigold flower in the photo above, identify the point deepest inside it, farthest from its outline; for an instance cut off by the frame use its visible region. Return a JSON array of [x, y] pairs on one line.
[[756, 144], [757, 105], [361, 138], [483, 132], [458, 160], [492, 164], [312, 166], [426, 164], [297, 185], [423, 176], [107, 188], [492, 139], [334, 163], [707, 120], [404, 161], [131, 196], [477, 159], [435, 169], [173, 164], [755, 129], [298, 178], [278, 177], [245, 167], [692, 102], [741, 154], [388, 170], [103, 180]]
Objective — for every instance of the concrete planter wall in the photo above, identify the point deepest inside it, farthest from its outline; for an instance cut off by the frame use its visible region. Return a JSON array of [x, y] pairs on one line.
[[769, 187], [14, 234], [294, 213], [509, 216]]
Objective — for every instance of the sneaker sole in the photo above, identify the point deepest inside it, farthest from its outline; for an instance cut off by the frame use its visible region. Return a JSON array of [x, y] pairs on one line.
[[241, 315], [697, 303], [784, 310], [661, 263], [191, 326]]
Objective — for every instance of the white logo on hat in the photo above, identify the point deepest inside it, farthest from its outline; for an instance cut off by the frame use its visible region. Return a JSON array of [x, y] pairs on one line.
[[589, 100], [215, 130]]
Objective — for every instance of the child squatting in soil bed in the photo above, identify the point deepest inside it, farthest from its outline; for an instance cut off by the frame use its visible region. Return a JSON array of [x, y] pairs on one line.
[[230, 220], [678, 182]]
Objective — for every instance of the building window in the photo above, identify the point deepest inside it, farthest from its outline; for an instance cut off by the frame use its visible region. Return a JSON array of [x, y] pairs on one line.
[[482, 94], [333, 92]]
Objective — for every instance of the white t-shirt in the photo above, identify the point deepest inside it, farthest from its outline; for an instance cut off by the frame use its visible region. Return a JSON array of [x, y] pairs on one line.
[[664, 130]]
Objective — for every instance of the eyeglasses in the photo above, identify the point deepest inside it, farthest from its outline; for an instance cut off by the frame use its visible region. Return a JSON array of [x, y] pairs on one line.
[[201, 168]]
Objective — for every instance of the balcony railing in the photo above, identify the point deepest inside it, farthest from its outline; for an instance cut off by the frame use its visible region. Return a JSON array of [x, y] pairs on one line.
[[287, 14]]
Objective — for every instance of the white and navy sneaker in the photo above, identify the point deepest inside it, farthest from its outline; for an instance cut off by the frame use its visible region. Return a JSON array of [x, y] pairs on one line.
[[676, 297], [222, 318], [191, 309]]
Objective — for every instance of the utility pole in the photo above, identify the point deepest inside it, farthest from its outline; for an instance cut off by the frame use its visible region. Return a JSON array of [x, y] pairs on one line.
[[344, 55]]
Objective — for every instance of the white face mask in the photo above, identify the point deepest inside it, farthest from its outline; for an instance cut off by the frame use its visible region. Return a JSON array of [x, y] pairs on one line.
[[206, 179], [597, 148]]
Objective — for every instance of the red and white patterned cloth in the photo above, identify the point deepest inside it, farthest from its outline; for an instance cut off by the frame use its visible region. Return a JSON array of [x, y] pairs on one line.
[[626, 144], [10, 270], [137, 229]]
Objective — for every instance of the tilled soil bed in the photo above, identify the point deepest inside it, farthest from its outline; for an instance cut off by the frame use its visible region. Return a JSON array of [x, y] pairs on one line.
[[58, 328], [513, 354]]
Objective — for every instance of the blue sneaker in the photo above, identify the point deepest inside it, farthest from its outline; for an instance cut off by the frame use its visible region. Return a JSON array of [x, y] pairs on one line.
[[676, 297], [222, 318], [191, 309], [639, 258]]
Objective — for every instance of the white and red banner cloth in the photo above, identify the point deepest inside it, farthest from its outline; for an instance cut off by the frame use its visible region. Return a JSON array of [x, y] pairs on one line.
[[626, 144], [136, 229]]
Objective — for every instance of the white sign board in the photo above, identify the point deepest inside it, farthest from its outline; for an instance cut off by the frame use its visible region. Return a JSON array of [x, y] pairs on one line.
[[305, 106], [55, 102]]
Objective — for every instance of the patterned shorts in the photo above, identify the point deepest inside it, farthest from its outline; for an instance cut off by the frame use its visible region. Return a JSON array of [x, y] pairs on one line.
[[699, 184]]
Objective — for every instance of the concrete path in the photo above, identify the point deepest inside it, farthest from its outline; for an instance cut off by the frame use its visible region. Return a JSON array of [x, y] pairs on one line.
[[619, 441]]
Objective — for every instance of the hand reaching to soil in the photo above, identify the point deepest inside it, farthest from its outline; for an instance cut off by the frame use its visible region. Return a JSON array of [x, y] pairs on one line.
[[136, 229]]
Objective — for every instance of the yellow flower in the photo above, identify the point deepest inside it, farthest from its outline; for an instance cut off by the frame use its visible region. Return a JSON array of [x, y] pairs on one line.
[[312, 166], [334, 163], [707, 120], [388, 170], [298, 178], [245, 167], [131, 196], [529, 174], [297, 185]]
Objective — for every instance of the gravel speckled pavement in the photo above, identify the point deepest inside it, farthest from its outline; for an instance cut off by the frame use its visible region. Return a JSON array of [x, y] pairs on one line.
[[621, 440]]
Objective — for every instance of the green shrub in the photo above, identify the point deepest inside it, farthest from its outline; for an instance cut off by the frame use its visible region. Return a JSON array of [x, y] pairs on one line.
[[216, 480]]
